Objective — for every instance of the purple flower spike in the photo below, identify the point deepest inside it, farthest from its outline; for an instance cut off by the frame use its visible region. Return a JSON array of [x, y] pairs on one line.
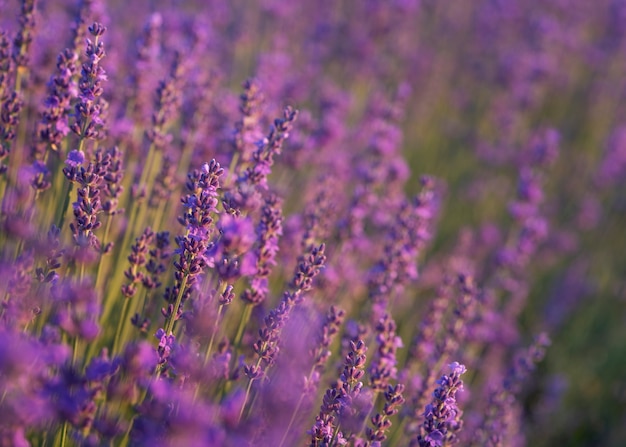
[[166, 344], [442, 415]]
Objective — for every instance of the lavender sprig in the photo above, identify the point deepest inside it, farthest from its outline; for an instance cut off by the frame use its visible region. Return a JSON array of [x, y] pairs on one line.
[[268, 232], [383, 368], [22, 42], [443, 416], [200, 206], [89, 123], [381, 422], [321, 353], [267, 347], [337, 407]]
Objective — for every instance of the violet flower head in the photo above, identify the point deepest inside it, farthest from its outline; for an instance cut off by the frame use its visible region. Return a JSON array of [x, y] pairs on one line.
[[200, 202], [142, 78], [166, 345], [137, 259], [112, 188], [381, 422], [268, 232], [54, 123], [612, 168], [89, 123], [88, 205], [442, 415], [424, 345], [75, 159], [9, 120], [267, 346], [167, 104], [383, 368], [408, 235], [337, 405], [248, 130], [155, 265], [200, 206], [24, 37], [263, 157]]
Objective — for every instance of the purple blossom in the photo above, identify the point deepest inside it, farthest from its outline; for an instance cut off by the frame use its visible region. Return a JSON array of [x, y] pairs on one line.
[[442, 416], [383, 368]]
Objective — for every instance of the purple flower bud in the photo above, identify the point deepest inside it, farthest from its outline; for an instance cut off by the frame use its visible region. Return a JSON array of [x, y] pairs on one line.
[[75, 158]]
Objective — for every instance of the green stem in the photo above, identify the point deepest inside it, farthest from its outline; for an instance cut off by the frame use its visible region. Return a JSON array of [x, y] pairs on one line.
[[231, 168], [245, 317], [170, 322], [121, 323], [103, 259], [245, 400], [207, 355], [64, 434], [65, 206], [134, 223], [335, 434]]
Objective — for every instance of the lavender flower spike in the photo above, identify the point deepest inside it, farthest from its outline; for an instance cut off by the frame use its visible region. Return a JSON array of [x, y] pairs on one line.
[[442, 415]]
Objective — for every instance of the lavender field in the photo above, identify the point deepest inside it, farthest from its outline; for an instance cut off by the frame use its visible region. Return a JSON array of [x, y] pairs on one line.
[[313, 223]]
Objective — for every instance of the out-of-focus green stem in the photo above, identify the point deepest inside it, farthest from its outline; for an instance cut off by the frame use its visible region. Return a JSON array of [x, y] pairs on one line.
[[245, 317], [215, 327], [121, 323], [245, 399], [170, 322], [103, 258]]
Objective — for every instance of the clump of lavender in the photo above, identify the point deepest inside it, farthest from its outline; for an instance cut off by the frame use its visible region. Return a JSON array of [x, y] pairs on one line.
[[358, 280]]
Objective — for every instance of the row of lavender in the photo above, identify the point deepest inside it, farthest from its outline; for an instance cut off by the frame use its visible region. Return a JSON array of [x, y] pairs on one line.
[[207, 240]]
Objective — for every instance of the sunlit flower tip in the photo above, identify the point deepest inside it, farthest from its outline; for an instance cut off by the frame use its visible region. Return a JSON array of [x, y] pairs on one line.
[[75, 158], [160, 333], [457, 368], [435, 439]]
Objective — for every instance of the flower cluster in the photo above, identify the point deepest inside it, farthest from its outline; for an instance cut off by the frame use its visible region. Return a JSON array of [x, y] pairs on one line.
[[277, 224]]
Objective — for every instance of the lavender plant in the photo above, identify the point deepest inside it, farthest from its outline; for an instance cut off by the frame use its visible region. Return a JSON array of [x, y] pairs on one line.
[[272, 224]]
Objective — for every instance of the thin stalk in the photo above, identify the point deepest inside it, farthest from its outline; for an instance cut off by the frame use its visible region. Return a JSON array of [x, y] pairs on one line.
[[296, 411], [231, 168], [245, 400], [397, 433], [207, 355], [292, 420], [103, 259], [170, 322], [121, 323], [245, 317], [64, 434], [335, 434], [158, 216], [135, 221], [65, 206]]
